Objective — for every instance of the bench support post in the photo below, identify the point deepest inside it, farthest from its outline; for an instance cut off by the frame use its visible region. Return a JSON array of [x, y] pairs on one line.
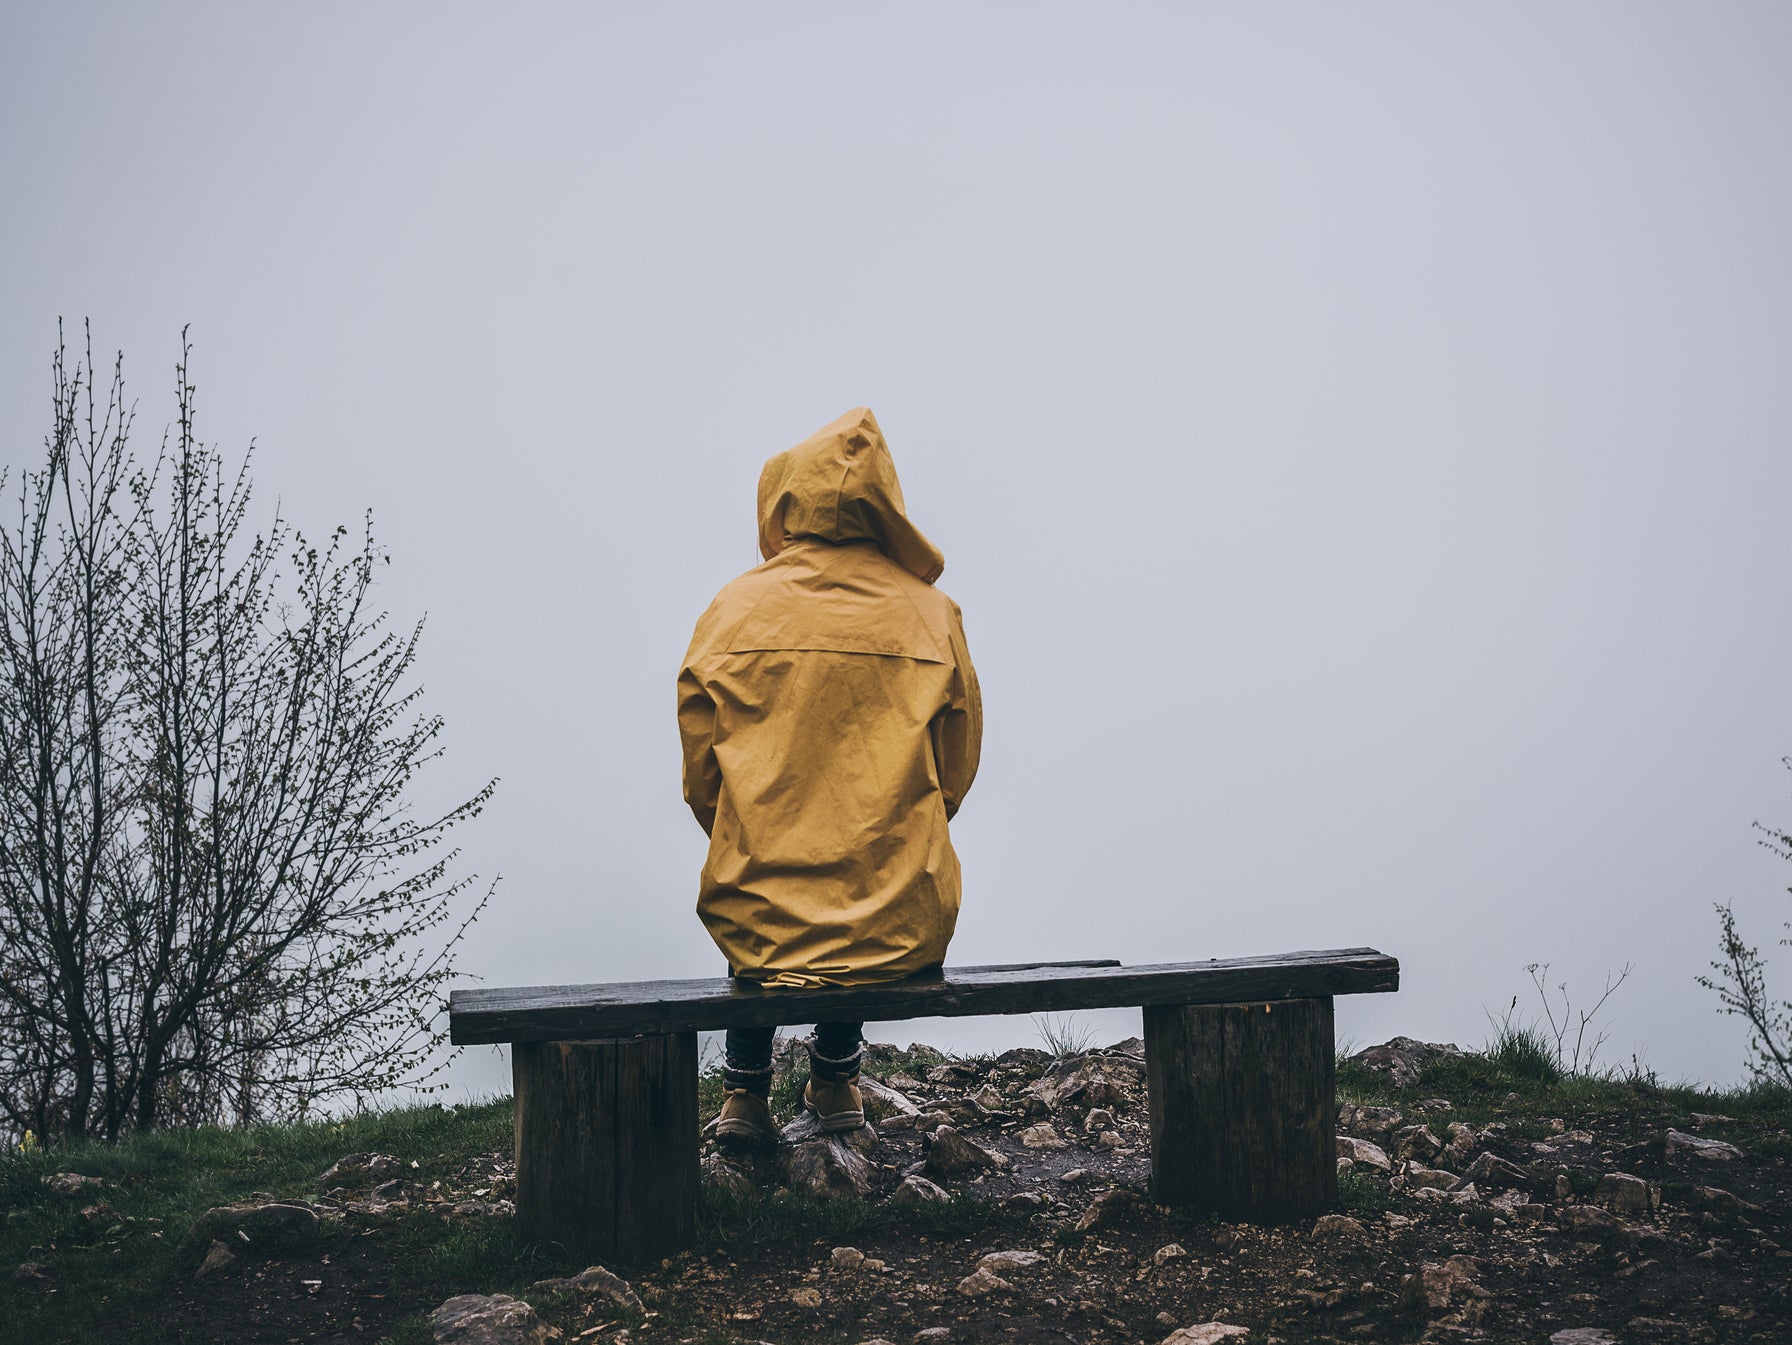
[[606, 1145], [1243, 1118]]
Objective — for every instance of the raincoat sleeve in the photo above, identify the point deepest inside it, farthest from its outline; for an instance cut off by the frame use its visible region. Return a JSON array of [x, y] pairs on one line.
[[696, 728], [958, 729]]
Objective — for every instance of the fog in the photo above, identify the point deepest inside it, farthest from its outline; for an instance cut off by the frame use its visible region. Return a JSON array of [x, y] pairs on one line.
[[1359, 437]]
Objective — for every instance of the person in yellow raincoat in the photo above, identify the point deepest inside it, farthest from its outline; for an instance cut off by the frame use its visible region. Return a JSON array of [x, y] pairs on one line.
[[831, 725]]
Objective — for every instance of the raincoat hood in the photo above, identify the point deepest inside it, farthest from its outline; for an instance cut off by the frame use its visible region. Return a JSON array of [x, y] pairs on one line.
[[839, 485]]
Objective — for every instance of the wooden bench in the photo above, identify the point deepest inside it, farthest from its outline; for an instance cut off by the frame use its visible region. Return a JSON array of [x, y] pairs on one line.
[[1239, 1058]]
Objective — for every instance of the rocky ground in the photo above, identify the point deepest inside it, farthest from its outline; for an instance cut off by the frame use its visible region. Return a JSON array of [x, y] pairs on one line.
[[1007, 1200]]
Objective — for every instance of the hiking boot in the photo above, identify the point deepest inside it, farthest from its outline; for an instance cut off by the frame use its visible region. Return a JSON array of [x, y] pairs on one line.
[[746, 1119], [835, 1102]]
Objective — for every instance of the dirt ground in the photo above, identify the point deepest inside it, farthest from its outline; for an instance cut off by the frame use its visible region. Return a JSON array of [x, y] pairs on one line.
[[1694, 1249]]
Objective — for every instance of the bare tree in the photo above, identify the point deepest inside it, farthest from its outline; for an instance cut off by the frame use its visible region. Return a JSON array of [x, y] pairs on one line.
[[1742, 983], [215, 903]]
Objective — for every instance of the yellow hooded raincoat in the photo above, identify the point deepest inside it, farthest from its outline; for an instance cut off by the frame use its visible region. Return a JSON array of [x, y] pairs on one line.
[[831, 725]]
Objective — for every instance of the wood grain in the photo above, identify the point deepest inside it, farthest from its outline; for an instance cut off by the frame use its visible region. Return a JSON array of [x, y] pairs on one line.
[[606, 1145], [1242, 1111], [572, 1012]]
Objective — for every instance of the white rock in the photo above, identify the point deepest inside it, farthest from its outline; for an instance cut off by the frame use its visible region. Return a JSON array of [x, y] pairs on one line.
[[1365, 1153], [1696, 1146], [1000, 1263], [1329, 1226], [596, 1282], [1040, 1136], [360, 1167], [806, 1298], [847, 1258], [1583, 1335], [1622, 1193], [1205, 1333], [481, 1319], [1418, 1176], [915, 1189], [881, 1100], [981, 1281], [826, 1169], [1170, 1251], [950, 1154]]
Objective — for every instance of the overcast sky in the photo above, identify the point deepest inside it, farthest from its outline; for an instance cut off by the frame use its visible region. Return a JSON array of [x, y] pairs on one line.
[[1360, 435]]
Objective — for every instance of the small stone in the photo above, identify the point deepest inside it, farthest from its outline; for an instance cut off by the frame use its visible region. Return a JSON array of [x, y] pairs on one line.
[[1402, 1059], [1369, 1120], [1417, 1142], [988, 1098], [30, 1272], [71, 1183], [1040, 1136], [1436, 1286], [360, 1167], [1697, 1147], [1418, 1177], [719, 1174], [1109, 1139], [846, 1258], [1496, 1173], [882, 1101], [806, 1298], [1589, 1219], [1462, 1143], [1078, 1079], [1720, 1200], [1073, 1176], [1205, 1333], [980, 1282], [595, 1282], [1363, 1152], [950, 1154], [915, 1189], [933, 1333], [1000, 1263], [218, 1261], [1583, 1335], [826, 1169], [1098, 1120], [494, 1319], [1170, 1251], [1331, 1226], [952, 1072], [1622, 1194], [1434, 1104], [1024, 1200], [1108, 1207]]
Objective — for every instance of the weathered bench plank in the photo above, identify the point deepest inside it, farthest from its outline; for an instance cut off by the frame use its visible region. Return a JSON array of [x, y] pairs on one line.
[[575, 1012]]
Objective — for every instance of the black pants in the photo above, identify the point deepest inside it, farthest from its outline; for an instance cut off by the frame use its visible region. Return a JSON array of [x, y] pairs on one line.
[[748, 1063]]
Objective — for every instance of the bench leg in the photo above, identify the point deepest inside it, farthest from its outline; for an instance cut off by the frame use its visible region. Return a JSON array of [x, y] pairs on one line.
[[1243, 1119], [606, 1145]]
